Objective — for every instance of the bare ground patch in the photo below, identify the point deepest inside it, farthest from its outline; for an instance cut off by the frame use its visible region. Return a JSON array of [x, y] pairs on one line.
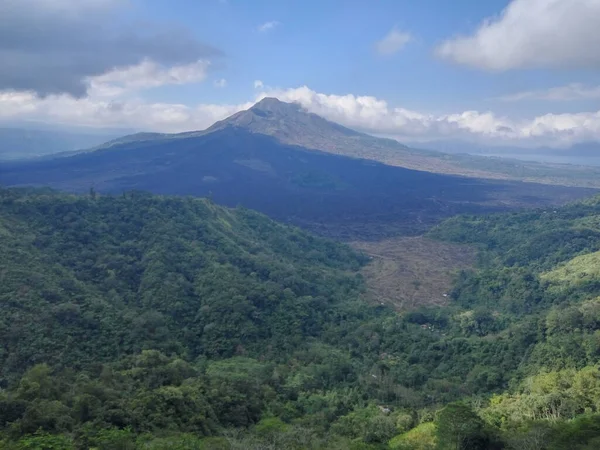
[[408, 272]]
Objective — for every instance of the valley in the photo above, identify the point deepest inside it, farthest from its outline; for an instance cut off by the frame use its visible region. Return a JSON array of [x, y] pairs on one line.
[[159, 320], [278, 225]]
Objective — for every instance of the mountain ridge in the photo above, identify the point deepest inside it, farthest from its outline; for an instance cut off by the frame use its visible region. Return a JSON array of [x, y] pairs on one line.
[[28, 143], [291, 124]]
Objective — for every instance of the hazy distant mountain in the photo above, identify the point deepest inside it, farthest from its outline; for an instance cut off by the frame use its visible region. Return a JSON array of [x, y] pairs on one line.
[[19, 143], [582, 149], [236, 162], [578, 165]]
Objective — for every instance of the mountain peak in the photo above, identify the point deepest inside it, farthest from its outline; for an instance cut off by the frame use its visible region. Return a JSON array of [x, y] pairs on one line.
[[273, 105], [291, 124], [269, 102], [273, 117]]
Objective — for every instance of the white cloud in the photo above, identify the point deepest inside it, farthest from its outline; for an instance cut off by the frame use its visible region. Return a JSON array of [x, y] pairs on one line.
[[221, 83], [16, 104], [532, 33], [374, 115], [120, 113], [267, 26], [364, 113], [392, 42], [566, 128], [146, 75], [258, 84], [573, 91]]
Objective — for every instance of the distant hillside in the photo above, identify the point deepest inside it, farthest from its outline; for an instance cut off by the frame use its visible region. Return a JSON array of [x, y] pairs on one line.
[[331, 194], [21, 143], [586, 149]]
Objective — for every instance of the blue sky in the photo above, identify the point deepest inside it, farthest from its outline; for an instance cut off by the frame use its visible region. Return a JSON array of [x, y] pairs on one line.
[[494, 71], [328, 45]]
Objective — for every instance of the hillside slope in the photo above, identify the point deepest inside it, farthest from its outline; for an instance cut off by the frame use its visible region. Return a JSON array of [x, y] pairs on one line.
[[537, 274], [155, 267]]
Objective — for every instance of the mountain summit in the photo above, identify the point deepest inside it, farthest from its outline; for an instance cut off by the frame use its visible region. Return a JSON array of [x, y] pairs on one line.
[[290, 124], [277, 113], [272, 105]]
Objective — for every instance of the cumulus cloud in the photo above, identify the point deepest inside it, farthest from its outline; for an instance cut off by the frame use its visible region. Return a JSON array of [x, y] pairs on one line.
[[145, 75], [392, 42], [267, 26], [532, 33], [258, 84], [573, 91], [55, 47]]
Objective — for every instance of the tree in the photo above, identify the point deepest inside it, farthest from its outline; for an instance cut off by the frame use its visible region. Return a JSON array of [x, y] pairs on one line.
[[459, 428]]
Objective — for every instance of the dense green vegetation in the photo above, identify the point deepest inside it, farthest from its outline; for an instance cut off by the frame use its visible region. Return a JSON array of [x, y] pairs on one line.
[[538, 275], [139, 321]]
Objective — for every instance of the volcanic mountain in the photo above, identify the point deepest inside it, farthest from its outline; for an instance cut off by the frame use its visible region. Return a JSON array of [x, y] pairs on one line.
[[290, 124], [292, 165]]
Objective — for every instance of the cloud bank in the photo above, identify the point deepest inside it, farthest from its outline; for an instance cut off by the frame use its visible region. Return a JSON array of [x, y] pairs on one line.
[[365, 113], [55, 47]]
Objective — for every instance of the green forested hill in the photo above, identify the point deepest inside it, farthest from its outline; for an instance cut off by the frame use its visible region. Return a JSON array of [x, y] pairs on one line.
[[86, 280], [538, 274], [140, 321]]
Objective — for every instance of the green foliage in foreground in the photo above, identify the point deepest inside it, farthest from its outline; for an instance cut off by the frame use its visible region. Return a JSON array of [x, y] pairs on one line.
[[147, 322]]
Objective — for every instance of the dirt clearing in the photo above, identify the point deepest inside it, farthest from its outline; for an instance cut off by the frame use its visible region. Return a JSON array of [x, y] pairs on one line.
[[408, 272]]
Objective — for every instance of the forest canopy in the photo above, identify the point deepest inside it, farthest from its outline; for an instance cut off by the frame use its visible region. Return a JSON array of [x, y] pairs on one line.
[[143, 321]]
